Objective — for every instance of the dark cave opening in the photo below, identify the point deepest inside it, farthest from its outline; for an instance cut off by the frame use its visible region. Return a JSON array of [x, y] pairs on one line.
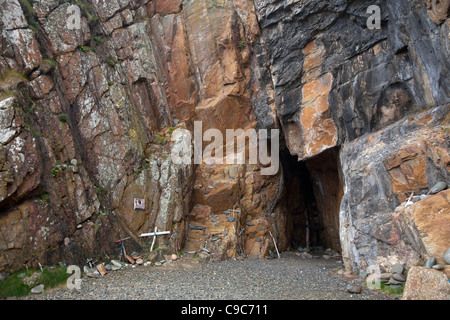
[[313, 196]]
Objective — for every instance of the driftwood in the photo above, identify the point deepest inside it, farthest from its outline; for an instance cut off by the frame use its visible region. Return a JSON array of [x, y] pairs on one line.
[[275, 243]]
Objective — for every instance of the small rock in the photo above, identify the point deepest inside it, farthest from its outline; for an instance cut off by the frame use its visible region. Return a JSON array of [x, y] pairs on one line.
[[430, 262], [446, 256], [79, 226], [230, 219], [147, 263], [396, 286], [214, 219], [203, 255], [250, 223], [258, 240], [174, 257], [397, 268], [354, 288], [438, 267], [38, 289], [398, 277], [108, 267], [74, 162], [194, 227], [116, 263], [158, 264], [384, 277], [438, 187], [139, 261], [363, 274], [423, 196], [341, 271], [393, 281]]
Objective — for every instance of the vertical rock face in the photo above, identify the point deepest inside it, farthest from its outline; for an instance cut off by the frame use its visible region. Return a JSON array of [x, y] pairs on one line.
[[330, 80], [87, 113]]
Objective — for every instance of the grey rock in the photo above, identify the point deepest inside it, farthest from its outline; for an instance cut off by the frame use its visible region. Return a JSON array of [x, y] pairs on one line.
[[4, 276], [230, 219], [354, 288], [115, 268], [258, 240], [250, 223], [116, 263], [194, 227], [396, 286], [446, 256], [363, 274], [393, 281], [397, 268], [398, 277], [430, 262], [438, 267], [214, 219], [438, 187], [38, 289], [423, 196], [108, 267]]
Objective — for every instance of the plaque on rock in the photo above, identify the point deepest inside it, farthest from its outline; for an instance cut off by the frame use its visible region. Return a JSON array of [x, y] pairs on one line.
[[139, 204]]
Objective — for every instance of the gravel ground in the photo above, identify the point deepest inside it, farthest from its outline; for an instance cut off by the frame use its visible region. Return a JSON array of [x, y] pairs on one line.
[[288, 278]]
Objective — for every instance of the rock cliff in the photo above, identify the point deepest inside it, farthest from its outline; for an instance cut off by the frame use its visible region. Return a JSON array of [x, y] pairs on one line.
[[88, 108]]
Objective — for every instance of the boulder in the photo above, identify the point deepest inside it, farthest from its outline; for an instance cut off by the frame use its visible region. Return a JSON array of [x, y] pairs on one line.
[[426, 284]]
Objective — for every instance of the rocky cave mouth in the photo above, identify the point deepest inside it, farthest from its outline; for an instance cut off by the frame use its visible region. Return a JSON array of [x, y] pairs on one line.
[[313, 195]]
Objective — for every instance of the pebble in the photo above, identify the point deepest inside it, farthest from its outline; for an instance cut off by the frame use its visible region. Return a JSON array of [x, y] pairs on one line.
[[224, 280], [116, 263], [438, 267], [423, 196], [393, 281], [438, 187], [430, 262], [38, 289], [250, 223], [446, 256], [354, 288], [363, 274], [398, 277], [230, 219], [158, 264], [258, 240], [397, 268]]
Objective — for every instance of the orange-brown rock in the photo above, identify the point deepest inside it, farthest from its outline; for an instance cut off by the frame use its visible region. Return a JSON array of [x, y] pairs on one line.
[[426, 284]]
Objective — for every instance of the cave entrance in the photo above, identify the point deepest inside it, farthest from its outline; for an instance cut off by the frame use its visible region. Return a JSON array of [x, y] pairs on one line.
[[313, 196]]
